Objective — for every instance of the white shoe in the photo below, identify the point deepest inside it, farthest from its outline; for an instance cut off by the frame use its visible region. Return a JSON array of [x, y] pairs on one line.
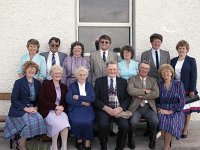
[[158, 135]]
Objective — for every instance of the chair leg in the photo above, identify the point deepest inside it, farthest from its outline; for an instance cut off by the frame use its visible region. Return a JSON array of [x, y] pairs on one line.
[[11, 144]]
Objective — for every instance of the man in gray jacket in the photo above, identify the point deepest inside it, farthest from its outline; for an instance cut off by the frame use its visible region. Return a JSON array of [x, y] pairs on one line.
[[53, 57], [144, 90]]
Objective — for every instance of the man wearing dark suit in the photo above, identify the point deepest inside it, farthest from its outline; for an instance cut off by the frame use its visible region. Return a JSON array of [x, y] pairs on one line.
[[144, 90], [98, 59], [53, 56], [156, 56], [111, 99]]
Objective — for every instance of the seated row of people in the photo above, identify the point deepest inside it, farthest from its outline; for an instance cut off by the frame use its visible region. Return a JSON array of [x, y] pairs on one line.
[[111, 96]]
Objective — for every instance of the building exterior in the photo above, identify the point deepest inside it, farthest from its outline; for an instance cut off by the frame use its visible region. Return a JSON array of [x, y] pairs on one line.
[[126, 21]]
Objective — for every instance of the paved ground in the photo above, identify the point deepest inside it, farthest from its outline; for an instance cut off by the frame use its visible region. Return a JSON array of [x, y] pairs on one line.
[[190, 143]]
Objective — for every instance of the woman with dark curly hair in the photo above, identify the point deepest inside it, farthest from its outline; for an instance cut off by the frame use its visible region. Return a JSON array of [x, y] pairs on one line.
[[72, 62], [128, 66]]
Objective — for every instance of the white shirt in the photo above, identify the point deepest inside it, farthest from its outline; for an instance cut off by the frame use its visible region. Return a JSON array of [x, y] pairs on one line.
[[178, 68], [153, 52], [82, 89], [106, 54], [49, 62]]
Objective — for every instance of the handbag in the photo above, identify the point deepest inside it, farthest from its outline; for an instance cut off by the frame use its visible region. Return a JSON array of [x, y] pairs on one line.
[[191, 99], [124, 114]]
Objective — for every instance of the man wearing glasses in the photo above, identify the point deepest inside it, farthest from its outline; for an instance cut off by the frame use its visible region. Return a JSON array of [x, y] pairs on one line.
[[53, 56], [98, 59], [144, 90]]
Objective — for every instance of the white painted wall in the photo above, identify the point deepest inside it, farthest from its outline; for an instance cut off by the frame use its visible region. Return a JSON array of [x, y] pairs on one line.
[[174, 19], [21, 20]]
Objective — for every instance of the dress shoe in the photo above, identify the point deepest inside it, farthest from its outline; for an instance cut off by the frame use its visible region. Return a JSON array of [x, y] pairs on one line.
[[152, 144], [184, 135], [131, 145], [87, 148], [80, 146]]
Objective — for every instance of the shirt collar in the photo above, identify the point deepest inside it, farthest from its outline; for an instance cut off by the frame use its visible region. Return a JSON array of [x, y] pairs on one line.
[[106, 52], [158, 50], [143, 78], [56, 53]]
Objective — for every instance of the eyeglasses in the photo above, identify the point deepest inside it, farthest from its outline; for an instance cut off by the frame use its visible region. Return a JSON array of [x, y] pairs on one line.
[[106, 42], [54, 45]]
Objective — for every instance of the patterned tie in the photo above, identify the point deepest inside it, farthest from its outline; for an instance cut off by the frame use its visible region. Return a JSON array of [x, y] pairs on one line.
[[157, 60], [111, 86], [104, 56], [53, 59], [144, 87]]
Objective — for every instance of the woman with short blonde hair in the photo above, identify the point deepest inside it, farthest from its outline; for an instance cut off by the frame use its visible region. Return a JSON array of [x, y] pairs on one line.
[[170, 105], [52, 106]]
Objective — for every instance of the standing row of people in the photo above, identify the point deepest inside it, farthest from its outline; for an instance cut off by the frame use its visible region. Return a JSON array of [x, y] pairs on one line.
[[112, 97]]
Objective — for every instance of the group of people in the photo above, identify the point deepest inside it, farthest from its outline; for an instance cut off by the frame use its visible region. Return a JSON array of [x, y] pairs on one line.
[[75, 91]]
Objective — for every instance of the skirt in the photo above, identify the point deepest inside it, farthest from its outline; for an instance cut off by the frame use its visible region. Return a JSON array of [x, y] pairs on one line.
[[172, 123], [56, 123], [192, 107], [27, 126]]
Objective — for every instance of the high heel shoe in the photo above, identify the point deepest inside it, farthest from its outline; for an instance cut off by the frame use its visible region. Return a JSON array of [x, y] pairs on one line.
[[184, 135]]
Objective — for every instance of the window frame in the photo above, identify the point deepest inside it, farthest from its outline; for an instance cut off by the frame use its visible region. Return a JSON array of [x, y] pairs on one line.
[[100, 24]]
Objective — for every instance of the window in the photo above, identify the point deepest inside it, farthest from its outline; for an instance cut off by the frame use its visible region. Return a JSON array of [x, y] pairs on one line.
[[98, 17]]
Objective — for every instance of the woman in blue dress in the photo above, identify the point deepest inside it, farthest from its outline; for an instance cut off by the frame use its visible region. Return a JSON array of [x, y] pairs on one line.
[[23, 118], [170, 105], [80, 111], [128, 66]]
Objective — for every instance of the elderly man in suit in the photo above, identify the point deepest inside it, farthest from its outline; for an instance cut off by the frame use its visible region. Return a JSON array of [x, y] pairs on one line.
[[53, 56], [98, 59], [144, 90], [156, 56], [111, 100]]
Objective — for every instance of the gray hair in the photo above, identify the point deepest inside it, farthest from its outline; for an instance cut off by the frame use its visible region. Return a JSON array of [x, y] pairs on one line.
[[81, 68], [144, 62], [55, 67]]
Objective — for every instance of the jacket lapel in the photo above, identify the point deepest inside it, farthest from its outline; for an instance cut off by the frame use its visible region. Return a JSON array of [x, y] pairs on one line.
[[151, 59], [26, 85], [99, 60], [162, 57]]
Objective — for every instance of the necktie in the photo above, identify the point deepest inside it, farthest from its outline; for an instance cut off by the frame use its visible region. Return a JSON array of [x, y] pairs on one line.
[[144, 87], [111, 86], [157, 60], [53, 62], [104, 56]]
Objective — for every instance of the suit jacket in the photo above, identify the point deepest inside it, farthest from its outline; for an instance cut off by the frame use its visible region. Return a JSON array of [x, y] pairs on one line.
[[47, 97], [188, 73], [98, 66], [164, 59], [101, 91], [20, 97], [135, 89], [60, 54]]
